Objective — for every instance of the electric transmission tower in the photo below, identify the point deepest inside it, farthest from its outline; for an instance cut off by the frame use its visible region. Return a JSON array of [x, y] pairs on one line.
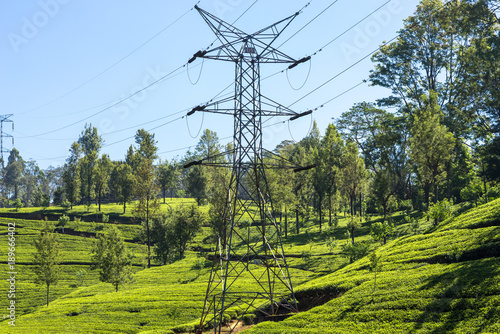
[[249, 269], [5, 119]]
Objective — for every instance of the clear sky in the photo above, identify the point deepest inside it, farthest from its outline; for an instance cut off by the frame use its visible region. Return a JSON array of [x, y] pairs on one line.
[[64, 63]]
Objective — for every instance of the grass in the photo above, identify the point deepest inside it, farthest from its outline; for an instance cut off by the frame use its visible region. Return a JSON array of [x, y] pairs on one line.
[[444, 280], [114, 210]]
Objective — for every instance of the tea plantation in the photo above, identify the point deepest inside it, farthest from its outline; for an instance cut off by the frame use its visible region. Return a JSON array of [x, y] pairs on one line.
[[443, 279]]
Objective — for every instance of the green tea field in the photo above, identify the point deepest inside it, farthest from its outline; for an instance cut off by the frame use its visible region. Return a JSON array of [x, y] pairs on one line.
[[443, 279]]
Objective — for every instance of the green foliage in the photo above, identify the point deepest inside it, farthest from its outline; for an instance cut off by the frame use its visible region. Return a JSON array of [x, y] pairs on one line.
[[168, 175], [185, 222], [90, 144], [355, 251], [380, 231], [111, 258], [354, 223], [472, 192], [80, 277], [122, 183], [431, 143], [63, 221], [331, 243], [440, 211], [17, 204], [71, 175], [47, 257], [66, 205]]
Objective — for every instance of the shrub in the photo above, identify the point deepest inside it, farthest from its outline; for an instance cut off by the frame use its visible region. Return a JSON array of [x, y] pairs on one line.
[[66, 205], [63, 221], [17, 204], [80, 277], [355, 251], [440, 211], [381, 230], [472, 192]]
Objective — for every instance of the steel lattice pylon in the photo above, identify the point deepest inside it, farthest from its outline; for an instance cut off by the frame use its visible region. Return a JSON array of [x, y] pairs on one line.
[[260, 259]]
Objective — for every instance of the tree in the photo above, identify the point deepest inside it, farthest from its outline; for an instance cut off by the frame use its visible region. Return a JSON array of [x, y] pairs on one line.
[[63, 221], [353, 174], [353, 224], [217, 199], [430, 54], [382, 191], [111, 258], [440, 211], [147, 145], [146, 191], [90, 144], [167, 177], [472, 192], [197, 184], [431, 143], [381, 230], [331, 151], [31, 182], [382, 138], [14, 171], [71, 175], [163, 247], [185, 223], [46, 258], [122, 182], [103, 169], [281, 182]]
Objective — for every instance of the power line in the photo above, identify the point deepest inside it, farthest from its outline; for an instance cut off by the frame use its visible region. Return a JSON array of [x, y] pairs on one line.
[[137, 92], [110, 67], [324, 10], [109, 107], [362, 59]]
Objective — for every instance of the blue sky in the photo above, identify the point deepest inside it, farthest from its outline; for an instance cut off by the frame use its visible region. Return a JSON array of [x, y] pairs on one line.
[[65, 63]]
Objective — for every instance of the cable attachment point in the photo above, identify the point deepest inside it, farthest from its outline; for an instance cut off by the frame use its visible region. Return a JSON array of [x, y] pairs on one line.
[[195, 109], [300, 61], [193, 163], [305, 113], [196, 55]]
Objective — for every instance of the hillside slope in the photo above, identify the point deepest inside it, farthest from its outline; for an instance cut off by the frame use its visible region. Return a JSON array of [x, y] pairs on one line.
[[445, 281]]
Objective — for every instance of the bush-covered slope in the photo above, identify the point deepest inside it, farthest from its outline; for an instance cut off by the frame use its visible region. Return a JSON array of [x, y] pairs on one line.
[[446, 281]]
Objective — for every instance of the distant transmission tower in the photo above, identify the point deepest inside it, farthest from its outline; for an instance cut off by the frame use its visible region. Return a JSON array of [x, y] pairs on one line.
[[249, 270], [5, 119]]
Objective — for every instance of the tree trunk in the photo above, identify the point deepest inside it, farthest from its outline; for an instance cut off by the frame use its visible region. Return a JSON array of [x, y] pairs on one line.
[[360, 204], [352, 235], [448, 182], [48, 284], [352, 205], [286, 223], [100, 193], [427, 194], [147, 231], [297, 220], [124, 206], [384, 206], [320, 212], [116, 287], [164, 193], [436, 194], [329, 210]]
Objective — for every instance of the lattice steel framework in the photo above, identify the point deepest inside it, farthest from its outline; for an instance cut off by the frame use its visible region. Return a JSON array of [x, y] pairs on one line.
[[5, 119], [248, 273]]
